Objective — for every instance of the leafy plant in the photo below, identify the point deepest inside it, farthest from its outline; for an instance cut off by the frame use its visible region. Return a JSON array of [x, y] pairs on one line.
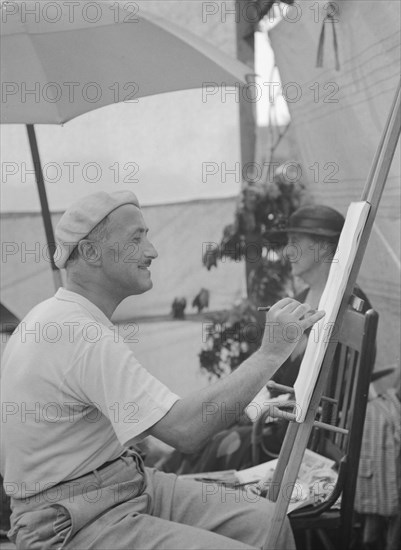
[[231, 337], [262, 211]]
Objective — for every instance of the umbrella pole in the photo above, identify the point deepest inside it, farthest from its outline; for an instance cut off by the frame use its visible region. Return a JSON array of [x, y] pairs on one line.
[[44, 204]]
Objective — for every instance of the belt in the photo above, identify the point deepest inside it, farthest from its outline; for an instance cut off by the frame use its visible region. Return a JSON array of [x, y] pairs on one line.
[[99, 468], [105, 464]]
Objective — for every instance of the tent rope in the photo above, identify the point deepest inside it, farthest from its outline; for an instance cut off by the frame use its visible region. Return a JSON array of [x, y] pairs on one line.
[[329, 18]]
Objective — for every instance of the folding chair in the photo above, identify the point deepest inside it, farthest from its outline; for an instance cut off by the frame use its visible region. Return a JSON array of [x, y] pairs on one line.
[[344, 406]]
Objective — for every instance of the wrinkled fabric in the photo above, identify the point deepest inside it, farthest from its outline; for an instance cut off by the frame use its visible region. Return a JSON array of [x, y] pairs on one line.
[[378, 487], [125, 506]]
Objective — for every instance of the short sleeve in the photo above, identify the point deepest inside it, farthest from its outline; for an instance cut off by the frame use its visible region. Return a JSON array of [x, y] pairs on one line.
[[112, 380]]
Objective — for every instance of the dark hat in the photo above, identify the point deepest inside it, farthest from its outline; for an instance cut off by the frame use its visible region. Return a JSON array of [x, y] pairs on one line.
[[315, 219]]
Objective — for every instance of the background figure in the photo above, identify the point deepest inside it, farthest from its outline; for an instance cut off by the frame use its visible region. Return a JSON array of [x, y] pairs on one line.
[[378, 491], [201, 300], [313, 233], [178, 308]]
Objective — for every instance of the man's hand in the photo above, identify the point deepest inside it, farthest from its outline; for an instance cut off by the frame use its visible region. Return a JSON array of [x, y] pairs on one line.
[[191, 421], [286, 322]]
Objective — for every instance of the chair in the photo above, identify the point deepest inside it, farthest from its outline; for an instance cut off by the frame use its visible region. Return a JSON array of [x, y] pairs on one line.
[[344, 406]]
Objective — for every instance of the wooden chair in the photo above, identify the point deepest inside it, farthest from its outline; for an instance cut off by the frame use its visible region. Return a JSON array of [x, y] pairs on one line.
[[344, 406]]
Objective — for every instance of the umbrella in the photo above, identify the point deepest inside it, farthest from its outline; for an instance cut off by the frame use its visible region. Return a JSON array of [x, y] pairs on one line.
[[61, 60]]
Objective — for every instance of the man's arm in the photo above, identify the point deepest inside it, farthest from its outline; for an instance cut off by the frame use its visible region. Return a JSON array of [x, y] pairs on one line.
[[194, 419]]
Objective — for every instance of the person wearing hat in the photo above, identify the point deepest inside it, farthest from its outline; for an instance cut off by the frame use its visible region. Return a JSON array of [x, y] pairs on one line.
[[76, 401], [313, 232]]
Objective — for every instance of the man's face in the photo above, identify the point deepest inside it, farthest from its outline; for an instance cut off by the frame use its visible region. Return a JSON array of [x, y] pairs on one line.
[[127, 252], [303, 253]]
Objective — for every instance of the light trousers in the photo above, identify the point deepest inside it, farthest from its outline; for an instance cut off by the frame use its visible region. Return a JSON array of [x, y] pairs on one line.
[[125, 506]]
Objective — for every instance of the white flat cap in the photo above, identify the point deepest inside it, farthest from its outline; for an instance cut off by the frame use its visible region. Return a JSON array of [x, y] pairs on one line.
[[83, 216]]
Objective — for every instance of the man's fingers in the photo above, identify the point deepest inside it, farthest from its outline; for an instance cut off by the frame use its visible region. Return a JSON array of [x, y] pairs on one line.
[[292, 306], [281, 304], [289, 305], [302, 313], [302, 310], [312, 319]]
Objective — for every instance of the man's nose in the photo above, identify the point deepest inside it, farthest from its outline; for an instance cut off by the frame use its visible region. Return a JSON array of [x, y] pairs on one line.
[[150, 251]]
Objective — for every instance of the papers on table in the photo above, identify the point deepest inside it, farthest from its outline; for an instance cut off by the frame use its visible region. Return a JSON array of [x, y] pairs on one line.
[[316, 479]]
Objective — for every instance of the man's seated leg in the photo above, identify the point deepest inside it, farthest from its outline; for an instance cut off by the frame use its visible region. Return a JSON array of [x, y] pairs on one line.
[[237, 514], [108, 509], [122, 530]]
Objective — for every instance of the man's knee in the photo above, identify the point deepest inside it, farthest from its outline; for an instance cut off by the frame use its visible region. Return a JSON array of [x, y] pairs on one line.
[[260, 505]]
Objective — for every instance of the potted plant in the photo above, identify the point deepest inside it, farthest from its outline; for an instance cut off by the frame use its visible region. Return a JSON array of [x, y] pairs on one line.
[[263, 208]]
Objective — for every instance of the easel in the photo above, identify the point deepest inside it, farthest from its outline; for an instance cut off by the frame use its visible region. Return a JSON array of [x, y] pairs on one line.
[[298, 434]]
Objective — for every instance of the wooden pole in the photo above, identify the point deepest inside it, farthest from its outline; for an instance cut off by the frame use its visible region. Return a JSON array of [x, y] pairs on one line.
[[51, 242]]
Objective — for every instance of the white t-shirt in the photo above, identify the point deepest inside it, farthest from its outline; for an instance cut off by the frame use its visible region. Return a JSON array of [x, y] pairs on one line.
[[73, 394]]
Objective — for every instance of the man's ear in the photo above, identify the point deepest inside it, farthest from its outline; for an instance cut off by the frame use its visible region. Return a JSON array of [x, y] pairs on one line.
[[90, 252]]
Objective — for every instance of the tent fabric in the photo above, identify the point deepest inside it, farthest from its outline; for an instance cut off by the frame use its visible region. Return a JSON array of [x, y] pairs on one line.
[[337, 120], [170, 351], [167, 149], [178, 232]]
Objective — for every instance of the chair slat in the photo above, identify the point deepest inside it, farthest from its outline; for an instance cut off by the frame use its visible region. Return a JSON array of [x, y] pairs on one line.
[[345, 407]]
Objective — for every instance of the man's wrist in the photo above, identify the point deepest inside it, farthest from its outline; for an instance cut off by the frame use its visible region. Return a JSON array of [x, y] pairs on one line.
[[266, 362]]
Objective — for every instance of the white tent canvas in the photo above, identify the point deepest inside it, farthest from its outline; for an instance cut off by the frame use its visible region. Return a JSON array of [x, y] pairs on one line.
[[170, 149], [337, 119]]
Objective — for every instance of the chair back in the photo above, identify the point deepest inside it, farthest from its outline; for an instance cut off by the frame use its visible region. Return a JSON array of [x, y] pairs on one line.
[[344, 405]]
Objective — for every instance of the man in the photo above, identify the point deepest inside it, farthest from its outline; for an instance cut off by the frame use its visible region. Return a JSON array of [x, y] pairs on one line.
[[76, 399]]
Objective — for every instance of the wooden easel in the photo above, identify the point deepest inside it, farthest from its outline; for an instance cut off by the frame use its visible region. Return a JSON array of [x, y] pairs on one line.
[[297, 435]]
